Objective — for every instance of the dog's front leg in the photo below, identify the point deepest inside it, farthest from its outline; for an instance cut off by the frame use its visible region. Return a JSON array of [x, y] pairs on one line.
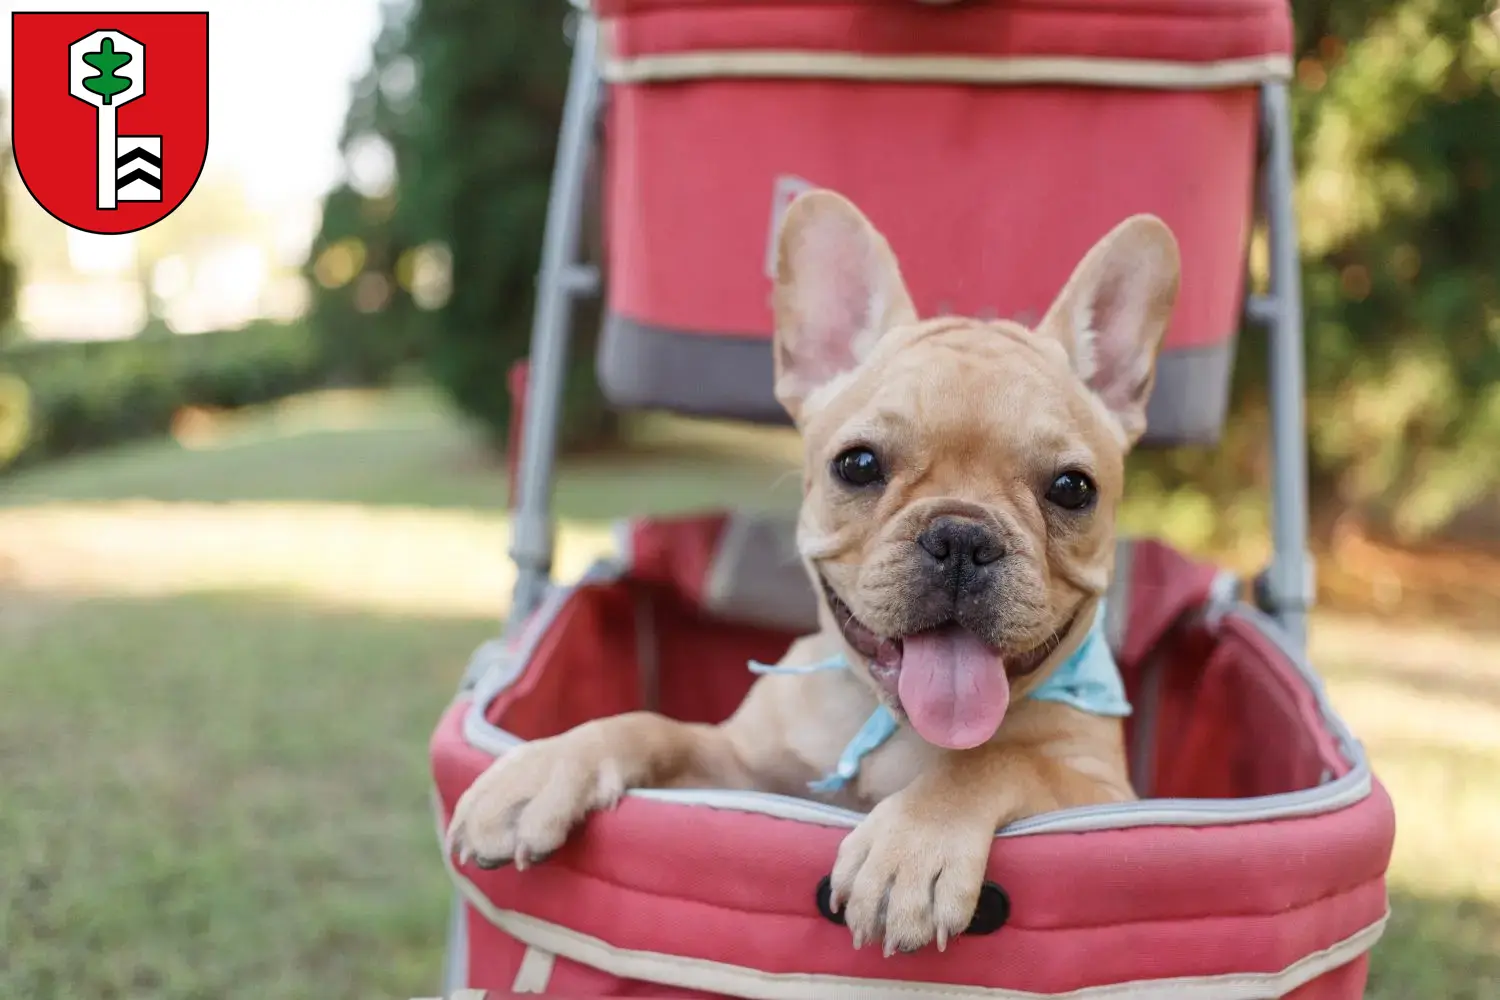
[[911, 872], [522, 808]]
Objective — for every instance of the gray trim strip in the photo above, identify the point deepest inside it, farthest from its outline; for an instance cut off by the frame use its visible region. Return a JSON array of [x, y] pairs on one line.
[[1119, 595], [650, 367], [757, 576], [641, 366], [1191, 396], [1328, 797]]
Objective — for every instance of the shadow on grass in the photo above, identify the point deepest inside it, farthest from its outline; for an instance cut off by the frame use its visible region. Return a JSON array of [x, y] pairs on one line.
[[410, 456], [1441, 948], [429, 466]]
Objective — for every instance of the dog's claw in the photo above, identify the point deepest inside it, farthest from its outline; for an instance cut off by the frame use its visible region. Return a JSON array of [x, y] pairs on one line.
[[505, 819], [923, 868]]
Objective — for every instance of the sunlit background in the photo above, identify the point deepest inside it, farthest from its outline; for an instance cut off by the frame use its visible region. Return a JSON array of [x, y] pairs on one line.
[[253, 489], [233, 253]]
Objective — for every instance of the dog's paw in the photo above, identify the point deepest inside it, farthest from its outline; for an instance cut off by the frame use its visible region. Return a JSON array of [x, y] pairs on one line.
[[908, 877], [523, 807]]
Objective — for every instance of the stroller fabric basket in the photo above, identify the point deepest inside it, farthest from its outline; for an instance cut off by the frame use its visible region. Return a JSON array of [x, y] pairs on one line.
[[1252, 867], [991, 140]]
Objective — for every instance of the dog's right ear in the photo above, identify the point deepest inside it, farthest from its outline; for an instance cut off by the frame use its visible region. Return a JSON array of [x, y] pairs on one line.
[[838, 288], [1113, 312]]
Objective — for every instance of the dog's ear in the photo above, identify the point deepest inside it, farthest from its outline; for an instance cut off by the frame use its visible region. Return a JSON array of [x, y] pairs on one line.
[[1113, 312], [838, 288]]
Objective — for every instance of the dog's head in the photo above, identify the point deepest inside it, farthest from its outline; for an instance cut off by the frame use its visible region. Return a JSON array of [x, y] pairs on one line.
[[961, 476]]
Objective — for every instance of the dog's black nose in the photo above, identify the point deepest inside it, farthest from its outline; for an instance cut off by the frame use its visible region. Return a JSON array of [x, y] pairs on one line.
[[959, 543]]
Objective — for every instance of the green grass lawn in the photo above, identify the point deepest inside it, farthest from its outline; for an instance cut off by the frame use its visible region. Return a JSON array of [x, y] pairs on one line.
[[220, 662]]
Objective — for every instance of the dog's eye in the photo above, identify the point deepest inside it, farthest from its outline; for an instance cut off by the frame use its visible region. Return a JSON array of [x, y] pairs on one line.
[[857, 467], [1072, 491]]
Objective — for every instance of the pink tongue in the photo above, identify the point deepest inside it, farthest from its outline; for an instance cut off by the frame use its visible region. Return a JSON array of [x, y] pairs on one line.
[[953, 687]]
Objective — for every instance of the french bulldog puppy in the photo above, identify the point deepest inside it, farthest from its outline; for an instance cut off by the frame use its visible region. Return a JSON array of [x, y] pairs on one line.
[[960, 488]]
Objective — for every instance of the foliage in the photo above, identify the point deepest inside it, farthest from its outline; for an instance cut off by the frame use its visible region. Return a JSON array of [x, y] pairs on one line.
[[1399, 207], [365, 320], [472, 169], [1401, 211], [90, 394], [8, 284], [15, 417], [362, 259]]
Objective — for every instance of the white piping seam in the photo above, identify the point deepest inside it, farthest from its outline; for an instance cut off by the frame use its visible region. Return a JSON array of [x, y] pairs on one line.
[[1353, 787], [535, 971], [1338, 794], [1153, 74], [754, 984]]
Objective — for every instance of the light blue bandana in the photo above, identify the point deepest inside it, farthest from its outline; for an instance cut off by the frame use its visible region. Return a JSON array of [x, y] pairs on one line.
[[1089, 680]]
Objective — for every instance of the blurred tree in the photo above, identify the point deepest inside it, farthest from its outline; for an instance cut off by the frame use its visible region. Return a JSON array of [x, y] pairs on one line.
[[28, 225], [363, 312], [8, 275], [494, 77], [1398, 156], [432, 243]]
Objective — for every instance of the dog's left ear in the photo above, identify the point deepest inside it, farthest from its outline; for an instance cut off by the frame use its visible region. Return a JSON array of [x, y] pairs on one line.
[[838, 288], [1113, 312]]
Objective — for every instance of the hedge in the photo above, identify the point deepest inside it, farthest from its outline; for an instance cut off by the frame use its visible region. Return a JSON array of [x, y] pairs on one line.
[[88, 395]]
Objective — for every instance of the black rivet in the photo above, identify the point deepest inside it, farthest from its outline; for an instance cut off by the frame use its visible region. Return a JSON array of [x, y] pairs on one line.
[[990, 914], [992, 911], [825, 901]]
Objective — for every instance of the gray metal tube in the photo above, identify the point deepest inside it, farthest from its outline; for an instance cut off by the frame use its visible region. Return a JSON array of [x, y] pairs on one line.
[[1289, 578], [560, 280], [456, 949]]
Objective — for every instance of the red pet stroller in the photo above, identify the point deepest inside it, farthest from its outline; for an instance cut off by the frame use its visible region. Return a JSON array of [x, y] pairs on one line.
[[992, 141]]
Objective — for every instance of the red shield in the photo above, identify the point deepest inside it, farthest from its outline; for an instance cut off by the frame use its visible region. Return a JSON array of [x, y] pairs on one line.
[[109, 114]]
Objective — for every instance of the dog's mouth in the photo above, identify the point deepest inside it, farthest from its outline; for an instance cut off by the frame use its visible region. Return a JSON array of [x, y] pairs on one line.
[[952, 686]]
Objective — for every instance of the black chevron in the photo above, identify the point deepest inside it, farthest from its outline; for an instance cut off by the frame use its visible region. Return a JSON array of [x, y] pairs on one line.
[[137, 175], [139, 153]]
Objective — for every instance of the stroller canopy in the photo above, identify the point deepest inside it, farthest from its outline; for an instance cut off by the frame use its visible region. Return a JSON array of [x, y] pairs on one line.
[[992, 142]]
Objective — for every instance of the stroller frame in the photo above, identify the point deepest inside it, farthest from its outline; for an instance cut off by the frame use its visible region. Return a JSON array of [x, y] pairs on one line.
[[1284, 589]]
